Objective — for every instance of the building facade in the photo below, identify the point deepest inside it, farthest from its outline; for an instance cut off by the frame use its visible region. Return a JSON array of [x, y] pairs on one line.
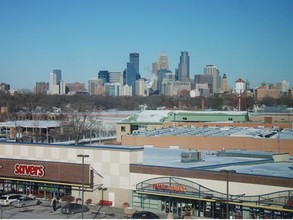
[[183, 67]]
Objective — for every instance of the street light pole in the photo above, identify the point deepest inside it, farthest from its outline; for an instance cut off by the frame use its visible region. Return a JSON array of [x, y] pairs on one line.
[[82, 173], [227, 189]]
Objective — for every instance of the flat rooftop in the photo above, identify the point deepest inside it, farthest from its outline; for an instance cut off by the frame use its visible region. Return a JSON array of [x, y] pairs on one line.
[[259, 132], [246, 162]]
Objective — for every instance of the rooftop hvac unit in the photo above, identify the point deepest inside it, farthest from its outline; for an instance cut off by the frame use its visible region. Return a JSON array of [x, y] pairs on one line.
[[190, 156]]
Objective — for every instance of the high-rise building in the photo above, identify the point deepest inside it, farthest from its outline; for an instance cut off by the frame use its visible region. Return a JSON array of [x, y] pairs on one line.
[[182, 73], [211, 76], [283, 86], [104, 75], [162, 63], [116, 77], [93, 85], [225, 85], [132, 70], [139, 87], [42, 87], [55, 80]]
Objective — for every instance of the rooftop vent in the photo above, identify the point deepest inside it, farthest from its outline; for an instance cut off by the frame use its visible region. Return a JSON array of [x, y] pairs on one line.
[[190, 156]]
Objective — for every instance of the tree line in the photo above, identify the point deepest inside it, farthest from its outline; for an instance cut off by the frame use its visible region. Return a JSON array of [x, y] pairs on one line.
[[31, 102]]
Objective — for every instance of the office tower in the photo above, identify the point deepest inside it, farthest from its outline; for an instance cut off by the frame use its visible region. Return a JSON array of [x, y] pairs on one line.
[[162, 63], [104, 75], [42, 87], [163, 75], [225, 84], [116, 77], [93, 85], [55, 79], [182, 73], [212, 77], [132, 70]]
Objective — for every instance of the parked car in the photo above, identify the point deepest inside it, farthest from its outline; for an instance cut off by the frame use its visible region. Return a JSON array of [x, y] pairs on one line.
[[7, 199], [72, 208], [25, 201], [144, 215]]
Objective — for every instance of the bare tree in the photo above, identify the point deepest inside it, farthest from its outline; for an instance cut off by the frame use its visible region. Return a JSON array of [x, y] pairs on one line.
[[80, 124]]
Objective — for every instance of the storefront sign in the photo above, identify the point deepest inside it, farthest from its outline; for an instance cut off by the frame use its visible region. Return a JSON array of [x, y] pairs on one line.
[[29, 170], [158, 186]]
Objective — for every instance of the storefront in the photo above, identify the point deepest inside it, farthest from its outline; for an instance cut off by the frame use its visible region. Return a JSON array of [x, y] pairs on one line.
[[43, 178], [184, 197]]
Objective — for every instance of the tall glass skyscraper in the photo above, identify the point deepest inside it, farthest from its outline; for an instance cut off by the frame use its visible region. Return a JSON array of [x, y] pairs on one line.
[[182, 74], [132, 70], [55, 80]]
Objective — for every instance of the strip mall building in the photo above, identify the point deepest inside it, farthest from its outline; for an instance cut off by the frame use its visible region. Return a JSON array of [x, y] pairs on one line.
[[154, 179]]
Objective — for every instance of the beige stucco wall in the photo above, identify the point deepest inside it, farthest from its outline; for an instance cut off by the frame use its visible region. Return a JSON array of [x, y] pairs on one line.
[[112, 164]]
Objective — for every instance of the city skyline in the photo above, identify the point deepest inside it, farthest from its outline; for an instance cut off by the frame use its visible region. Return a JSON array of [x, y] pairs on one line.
[[244, 39]]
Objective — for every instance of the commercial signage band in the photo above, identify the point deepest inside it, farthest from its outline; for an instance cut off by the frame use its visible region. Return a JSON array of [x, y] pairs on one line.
[[168, 187], [29, 170]]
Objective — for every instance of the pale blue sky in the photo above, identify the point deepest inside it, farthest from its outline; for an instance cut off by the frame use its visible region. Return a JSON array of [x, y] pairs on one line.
[[250, 39]]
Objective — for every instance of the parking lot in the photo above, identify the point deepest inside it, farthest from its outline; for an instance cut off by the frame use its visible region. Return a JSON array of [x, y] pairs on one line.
[[45, 211]]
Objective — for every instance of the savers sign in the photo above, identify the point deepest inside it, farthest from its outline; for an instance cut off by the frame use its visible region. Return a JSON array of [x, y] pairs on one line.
[[29, 170]]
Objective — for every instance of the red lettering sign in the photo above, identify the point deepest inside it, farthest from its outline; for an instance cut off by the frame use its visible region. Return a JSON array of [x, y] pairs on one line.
[[29, 170], [158, 186]]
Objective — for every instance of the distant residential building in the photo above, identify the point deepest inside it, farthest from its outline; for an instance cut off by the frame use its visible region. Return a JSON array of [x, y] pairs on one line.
[[290, 93], [140, 87], [42, 87], [125, 90], [267, 90], [182, 73], [4, 87], [283, 86], [75, 87], [104, 75], [112, 89], [62, 88], [93, 84]]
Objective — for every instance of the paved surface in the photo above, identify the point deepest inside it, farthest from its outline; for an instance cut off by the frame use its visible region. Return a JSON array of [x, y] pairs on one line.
[[45, 211]]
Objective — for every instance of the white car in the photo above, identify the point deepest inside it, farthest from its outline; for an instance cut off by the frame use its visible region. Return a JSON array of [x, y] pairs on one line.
[[25, 201], [7, 199]]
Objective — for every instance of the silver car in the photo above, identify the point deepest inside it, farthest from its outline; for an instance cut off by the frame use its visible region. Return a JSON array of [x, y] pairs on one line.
[[25, 201]]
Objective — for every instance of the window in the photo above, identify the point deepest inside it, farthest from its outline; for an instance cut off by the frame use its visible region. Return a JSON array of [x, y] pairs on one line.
[[184, 118], [123, 129]]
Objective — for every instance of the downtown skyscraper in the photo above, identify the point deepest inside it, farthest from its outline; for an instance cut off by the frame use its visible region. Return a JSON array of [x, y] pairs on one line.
[[132, 70], [182, 73]]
